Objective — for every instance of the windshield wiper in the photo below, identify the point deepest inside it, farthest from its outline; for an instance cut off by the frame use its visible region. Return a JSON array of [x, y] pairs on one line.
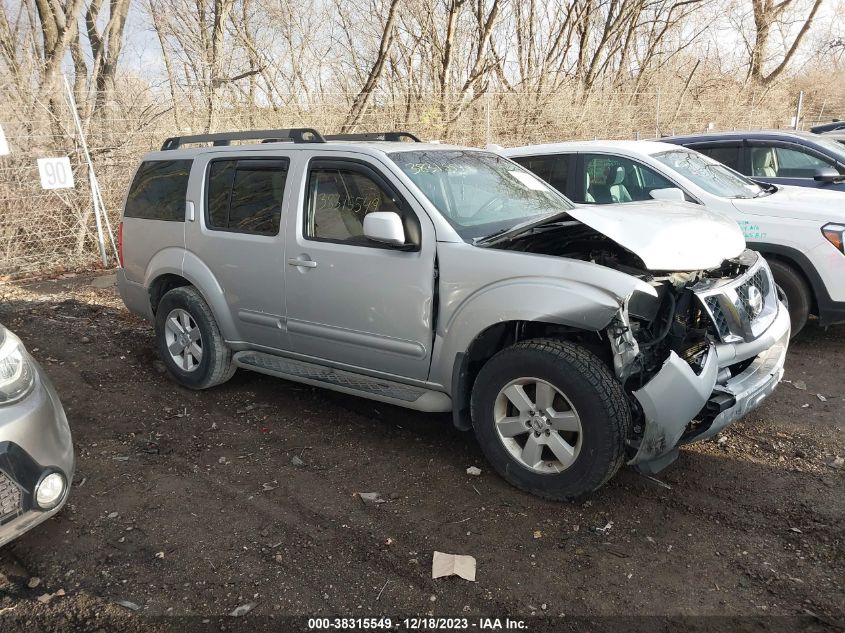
[[519, 229]]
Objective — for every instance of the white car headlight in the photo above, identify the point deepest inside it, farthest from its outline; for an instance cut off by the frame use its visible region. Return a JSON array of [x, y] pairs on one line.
[[16, 375]]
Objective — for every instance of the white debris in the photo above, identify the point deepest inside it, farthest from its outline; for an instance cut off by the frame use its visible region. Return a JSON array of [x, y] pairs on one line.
[[371, 498], [474, 471], [243, 609], [453, 565]]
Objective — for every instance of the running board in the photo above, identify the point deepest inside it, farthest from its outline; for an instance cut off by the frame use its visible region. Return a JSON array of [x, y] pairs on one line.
[[345, 381]]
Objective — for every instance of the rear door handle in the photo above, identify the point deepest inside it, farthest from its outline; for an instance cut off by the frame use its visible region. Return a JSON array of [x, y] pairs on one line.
[[305, 263]]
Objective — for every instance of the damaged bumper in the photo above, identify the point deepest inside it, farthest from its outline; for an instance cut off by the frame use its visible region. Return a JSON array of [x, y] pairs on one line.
[[714, 397]]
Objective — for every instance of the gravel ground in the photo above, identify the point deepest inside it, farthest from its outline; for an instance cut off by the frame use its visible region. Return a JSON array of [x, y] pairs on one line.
[[195, 503]]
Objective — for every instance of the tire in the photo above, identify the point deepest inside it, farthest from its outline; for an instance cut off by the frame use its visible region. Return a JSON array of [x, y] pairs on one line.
[[797, 293], [195, 321], [581, 382]]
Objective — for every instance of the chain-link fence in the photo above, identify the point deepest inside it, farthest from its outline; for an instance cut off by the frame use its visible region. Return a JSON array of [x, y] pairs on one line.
[[43, 231]]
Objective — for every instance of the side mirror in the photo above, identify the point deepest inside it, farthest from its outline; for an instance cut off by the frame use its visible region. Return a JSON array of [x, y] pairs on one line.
[[385, 227], [672, 194], [828, 175]]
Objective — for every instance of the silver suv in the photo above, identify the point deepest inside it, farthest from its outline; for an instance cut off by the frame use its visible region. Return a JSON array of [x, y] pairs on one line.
[[440, 278]]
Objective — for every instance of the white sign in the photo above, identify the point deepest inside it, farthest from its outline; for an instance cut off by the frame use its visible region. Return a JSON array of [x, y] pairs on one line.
[[4, 146], [55, 173]]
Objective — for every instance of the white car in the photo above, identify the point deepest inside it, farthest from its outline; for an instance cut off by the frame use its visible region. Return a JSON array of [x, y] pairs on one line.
[[799, 230]]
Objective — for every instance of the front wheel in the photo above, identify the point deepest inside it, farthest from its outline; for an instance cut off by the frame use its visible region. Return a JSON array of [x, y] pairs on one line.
[[189, 341], [792, 288], [551, 418]]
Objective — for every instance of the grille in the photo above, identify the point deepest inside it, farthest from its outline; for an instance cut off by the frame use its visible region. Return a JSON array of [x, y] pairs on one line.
[[10, 498], [719, 318], [761, 281]]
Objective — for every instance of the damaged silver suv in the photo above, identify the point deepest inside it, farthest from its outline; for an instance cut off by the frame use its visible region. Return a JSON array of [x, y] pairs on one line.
[[438, 278]]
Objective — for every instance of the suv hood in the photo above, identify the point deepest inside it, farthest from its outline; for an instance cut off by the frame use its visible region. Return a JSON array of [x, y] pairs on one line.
[[670, 236], [798, 203]]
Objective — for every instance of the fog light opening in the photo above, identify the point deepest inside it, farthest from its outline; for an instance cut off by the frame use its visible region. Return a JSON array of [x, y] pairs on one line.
[[49, 490]]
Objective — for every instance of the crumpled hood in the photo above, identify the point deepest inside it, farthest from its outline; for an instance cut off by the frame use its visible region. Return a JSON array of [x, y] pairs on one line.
[[798, 203], [670, 236]]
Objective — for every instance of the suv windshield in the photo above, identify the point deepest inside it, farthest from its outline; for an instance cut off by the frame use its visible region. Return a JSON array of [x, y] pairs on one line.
[[479, 193], [710, 175]]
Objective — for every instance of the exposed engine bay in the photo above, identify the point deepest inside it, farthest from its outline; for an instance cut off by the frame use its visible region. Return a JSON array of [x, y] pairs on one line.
[[642, 336]]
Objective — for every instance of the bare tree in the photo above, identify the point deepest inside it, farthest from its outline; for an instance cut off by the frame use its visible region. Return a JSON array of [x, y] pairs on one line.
[[772, 15]]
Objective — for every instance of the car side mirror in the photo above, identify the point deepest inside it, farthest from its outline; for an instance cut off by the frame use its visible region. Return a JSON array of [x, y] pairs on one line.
[[672, 194], [828, 175], [385, 227]]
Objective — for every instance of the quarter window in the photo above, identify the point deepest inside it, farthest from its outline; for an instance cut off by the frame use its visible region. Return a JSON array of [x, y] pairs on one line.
[[338, 200], [245, 196], [158, 191]]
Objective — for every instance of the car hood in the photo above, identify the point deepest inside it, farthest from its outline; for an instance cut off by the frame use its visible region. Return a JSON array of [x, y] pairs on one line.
[[671, 236], [798, 203]]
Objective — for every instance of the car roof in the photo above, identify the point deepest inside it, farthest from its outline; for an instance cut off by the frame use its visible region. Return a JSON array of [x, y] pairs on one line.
[[750, 134], [626, 147], [373, 148]]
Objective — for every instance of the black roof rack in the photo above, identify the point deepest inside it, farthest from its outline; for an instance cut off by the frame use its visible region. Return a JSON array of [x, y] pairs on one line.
[[297, 135], [394, 137]]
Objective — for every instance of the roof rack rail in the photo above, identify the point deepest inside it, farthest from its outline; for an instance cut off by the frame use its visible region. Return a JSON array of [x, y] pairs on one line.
[[297, 135], [394, 137]]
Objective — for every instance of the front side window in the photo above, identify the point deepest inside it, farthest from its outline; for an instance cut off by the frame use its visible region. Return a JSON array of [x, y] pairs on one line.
[[339, 198], [785, 162], [614, 179], [245, 196], [479, 193], [713, 177], [158, 191]]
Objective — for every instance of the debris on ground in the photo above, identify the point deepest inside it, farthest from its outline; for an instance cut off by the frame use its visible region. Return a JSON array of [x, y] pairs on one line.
[[538, 534], [243, 609], [604, 530], [128, 604], [474, 471], [837, 462], [453, 565], [33, 582], [800, 384], [47, 597], [370, 498], [821, 397], [296, 461]]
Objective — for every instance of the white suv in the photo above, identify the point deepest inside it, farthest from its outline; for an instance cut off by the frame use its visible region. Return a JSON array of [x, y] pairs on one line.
[[800, 231]]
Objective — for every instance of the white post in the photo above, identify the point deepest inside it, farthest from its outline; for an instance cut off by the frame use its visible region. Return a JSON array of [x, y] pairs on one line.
[[798, 110], [96, 199]]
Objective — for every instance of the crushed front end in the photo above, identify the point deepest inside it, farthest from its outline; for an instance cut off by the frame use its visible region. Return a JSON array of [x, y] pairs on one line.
[[709, 349]]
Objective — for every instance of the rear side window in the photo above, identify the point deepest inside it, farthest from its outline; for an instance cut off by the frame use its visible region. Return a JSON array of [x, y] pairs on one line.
[[725, 154], [553, 169], [245, 196], [158, 191]]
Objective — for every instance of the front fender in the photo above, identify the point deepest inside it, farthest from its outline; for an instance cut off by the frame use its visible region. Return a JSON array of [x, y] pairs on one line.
[[562, 302]]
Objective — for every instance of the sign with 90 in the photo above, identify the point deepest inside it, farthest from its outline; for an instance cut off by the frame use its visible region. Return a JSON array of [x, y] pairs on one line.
[[55, 173]]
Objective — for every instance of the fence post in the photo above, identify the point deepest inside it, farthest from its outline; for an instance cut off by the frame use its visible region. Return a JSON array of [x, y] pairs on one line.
[[798, 109], [96, 199], [487, 134]]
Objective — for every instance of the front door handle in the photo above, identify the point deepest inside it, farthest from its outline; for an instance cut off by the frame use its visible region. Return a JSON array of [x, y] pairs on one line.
[[305, 263]]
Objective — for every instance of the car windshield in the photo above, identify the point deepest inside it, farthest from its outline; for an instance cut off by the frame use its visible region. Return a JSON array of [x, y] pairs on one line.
[[835, 148], [479, 193], [712, 176]]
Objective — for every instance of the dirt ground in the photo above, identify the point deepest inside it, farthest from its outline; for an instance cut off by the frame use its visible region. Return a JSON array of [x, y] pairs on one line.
[[196, 503]]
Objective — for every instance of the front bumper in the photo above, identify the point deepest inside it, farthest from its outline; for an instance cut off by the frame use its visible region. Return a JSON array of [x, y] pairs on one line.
[[35, 439], [715, 397]]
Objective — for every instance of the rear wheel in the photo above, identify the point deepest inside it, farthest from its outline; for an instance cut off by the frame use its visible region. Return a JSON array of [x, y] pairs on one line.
[[798, 299], [189, 341], [551, 418]]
